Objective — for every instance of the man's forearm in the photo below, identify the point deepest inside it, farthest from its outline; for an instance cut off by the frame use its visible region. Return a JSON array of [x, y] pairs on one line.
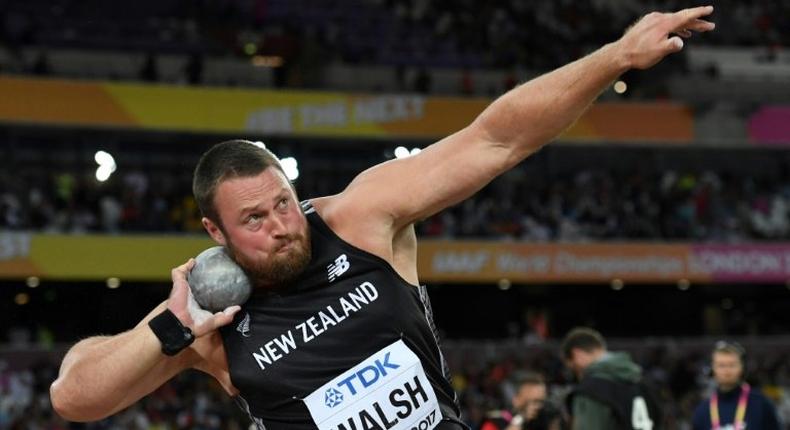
[[538, 111], [102, 375], [98, 372]]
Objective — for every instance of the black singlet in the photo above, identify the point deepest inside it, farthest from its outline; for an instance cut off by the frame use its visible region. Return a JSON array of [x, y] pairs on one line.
[[347, 338]]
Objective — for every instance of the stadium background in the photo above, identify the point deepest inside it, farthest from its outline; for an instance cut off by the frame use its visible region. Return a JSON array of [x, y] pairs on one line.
[[661, 218]]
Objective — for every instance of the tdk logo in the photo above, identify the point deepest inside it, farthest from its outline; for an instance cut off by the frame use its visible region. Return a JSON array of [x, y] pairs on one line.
[[338, 268], [333, 397], [368, 375]]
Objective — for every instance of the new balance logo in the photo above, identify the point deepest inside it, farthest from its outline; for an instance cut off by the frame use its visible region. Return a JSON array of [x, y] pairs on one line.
[[244, 326], [338, 268]]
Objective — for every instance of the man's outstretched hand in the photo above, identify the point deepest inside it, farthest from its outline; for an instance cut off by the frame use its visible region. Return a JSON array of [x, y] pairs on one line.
[[657, 35]]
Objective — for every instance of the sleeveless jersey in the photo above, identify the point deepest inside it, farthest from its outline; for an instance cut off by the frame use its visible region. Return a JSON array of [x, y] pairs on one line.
[[349, 345]]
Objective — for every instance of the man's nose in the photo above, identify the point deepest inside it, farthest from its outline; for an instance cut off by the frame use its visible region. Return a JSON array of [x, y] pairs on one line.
[[277, 226]]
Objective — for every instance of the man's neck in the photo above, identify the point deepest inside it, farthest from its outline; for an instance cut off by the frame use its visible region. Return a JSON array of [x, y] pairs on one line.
[[728, 388]]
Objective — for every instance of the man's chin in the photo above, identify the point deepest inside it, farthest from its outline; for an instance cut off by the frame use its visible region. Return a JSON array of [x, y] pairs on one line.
[[269, 282], [728, 387], [282, 273]]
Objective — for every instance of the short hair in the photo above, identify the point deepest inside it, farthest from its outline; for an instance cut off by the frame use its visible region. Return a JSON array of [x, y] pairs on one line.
[[583, 338], [528, 378], [226, 160], [729, 347]]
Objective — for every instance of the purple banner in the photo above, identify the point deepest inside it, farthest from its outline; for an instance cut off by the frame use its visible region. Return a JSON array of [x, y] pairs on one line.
[[742, 263], [771, 125]]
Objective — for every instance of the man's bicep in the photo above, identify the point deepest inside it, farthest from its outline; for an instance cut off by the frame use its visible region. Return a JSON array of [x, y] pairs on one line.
[[443, 174]]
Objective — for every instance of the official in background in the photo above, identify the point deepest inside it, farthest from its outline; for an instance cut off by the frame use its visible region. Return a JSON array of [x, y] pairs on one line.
[[734, 405]]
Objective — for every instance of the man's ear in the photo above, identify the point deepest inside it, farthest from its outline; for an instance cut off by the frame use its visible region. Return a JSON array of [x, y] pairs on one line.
[[214, 231]]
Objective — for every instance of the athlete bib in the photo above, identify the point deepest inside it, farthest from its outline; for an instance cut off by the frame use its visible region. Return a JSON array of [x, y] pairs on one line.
[[388, 390]]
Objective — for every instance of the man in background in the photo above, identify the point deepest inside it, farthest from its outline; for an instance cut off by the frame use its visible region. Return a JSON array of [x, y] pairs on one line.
[[734, 405], [611, 394], [531, 409]]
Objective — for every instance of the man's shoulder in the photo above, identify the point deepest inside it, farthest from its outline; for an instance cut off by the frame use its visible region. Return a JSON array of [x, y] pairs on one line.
[[758, 396], [615, 366], [702, 408], [336, 210], [356, 225]]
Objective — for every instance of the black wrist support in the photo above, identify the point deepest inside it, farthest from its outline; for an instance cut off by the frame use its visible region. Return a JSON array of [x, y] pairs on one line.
[[173, 335]]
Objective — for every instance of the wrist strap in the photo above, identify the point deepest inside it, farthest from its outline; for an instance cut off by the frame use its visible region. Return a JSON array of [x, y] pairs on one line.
[[173, 335]]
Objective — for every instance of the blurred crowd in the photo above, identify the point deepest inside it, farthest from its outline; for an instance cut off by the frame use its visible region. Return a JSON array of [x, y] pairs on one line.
[[591, 205], [604, 205], [189, 401], [70, 203], [544, 35], [485, 386], [307, 34]]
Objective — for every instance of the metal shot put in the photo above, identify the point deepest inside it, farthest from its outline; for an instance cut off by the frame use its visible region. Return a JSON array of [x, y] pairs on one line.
[[217, 282]]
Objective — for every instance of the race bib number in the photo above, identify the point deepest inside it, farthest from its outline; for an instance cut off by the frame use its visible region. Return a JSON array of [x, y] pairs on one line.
[[388, 390]]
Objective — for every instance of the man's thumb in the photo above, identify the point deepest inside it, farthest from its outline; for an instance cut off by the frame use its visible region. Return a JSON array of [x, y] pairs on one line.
[[674, 44]]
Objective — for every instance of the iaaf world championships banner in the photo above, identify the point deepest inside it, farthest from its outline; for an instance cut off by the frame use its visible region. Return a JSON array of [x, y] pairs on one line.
[[150, 258], [634, 262]]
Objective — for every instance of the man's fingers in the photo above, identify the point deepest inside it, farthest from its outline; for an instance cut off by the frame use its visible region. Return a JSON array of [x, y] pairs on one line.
[[700, 25], [206, 322], [180, 293], [689, 19], [223, 318], [657, 35], [181, 271], [231, 310], [688, 15], [674, 44]]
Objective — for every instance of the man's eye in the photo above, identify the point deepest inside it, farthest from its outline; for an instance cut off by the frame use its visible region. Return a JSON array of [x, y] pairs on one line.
[[283, 203]]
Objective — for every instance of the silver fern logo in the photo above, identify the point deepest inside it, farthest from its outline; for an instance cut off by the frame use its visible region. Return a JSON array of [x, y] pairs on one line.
[[244, 325]]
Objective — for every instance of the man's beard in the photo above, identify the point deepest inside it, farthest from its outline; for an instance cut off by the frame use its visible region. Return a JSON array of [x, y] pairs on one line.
[[278, 270]]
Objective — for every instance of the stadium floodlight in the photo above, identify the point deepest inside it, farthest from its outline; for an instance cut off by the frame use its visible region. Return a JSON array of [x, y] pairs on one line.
[[291, 168], [401, 152], [106, 164], [103, 157], [104, 171]]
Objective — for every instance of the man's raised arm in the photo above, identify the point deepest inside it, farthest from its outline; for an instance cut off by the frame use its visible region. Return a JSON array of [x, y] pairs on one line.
[[515, 125]]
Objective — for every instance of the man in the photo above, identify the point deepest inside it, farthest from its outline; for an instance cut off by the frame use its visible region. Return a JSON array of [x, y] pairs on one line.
[[531, 410], [610, 394], [734, 405], [338, 333]]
